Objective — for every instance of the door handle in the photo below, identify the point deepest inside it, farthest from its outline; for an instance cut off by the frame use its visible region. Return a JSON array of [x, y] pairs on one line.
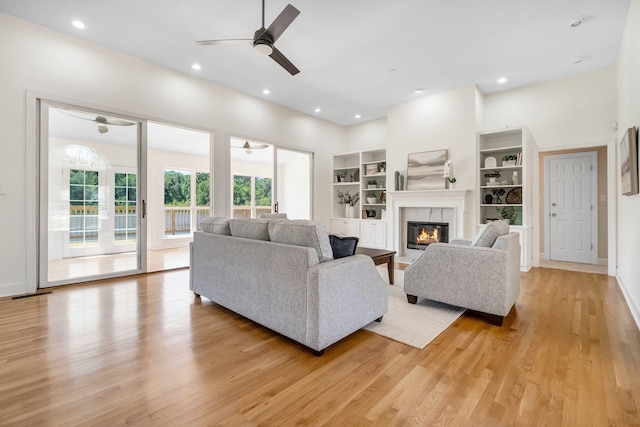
[[275, 208], [144, 209]]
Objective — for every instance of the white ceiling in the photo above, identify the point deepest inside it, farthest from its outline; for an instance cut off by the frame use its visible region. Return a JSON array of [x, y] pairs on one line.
[[355, 56]]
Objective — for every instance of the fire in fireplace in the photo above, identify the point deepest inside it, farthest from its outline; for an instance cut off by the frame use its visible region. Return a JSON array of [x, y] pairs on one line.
[[422, 234]]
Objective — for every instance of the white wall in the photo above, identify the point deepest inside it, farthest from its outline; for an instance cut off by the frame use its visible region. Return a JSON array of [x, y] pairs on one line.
[[565, 113], [444, 120], [628, 230], [40, 60], [365, 136]]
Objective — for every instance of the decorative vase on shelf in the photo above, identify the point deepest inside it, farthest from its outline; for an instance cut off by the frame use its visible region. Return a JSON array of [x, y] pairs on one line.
[[351, 211], [515, 179], [347, 211]]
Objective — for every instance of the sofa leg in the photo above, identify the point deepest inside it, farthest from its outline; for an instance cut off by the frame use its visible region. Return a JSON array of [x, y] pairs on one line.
[[379, 319], [495, 320], [412, 299], [317, 353], [196, 295]]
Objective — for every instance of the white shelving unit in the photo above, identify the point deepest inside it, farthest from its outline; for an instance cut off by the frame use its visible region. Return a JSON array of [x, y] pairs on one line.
[[364, 173], [510, 196]]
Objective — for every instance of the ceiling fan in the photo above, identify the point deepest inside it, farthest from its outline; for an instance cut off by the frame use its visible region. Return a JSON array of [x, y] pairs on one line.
[[250, 147], [103, 122], [264, 38]]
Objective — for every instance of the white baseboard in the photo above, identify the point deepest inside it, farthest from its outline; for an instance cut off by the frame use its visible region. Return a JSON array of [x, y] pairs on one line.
[[11, 289], [635, 312]]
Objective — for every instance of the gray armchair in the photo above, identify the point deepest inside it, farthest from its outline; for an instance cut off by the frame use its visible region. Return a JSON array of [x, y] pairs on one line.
[[483, 279]]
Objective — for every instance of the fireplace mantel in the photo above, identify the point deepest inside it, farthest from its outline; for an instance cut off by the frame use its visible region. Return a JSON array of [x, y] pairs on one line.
[[397, 200]]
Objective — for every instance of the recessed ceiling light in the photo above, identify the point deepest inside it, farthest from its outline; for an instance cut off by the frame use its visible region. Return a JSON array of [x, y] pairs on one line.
[[196, 67], [579, 59], [78, 24], [317, 110], [266, 91], [576, 22], [502, 80], [417, 91], [358, 116]]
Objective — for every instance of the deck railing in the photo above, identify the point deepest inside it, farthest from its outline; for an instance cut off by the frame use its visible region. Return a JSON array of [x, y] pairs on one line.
[[177, 219]]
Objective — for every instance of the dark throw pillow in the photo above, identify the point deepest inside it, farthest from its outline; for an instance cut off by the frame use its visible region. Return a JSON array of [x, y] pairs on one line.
[[343, 246]]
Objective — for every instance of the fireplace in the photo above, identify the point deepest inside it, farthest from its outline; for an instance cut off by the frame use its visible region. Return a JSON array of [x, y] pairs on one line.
[[422, 234]]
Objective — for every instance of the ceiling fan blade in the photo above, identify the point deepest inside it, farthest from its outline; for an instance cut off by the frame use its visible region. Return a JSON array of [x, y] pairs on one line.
[[277, 56], [118, 122], [281, 23], [223, 41]]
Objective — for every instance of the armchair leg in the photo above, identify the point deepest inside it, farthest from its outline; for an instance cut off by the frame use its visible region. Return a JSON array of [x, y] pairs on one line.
[[379, 319], [196, 295], [412, 299]]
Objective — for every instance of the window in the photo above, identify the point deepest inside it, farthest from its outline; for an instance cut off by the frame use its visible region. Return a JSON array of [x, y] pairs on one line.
[[124, 226], [251, 196], [186, 200], [83, 208]]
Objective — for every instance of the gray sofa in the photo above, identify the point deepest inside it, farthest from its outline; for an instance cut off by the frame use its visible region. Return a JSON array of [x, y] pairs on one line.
[[482, 275], [282, 275]]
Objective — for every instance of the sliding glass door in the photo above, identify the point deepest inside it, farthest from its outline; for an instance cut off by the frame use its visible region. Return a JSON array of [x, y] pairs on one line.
[[92, 198], [267, 178]]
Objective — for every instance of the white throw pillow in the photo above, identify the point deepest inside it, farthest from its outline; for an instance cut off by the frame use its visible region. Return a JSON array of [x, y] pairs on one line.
[[488, 235]]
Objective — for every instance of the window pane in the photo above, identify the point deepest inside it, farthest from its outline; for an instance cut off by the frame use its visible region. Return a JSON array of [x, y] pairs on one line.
[[202, 189], [76, 192], [177, 188], [120, 194], [76, 177], [131, 195], [91, 192], [121, 179], [131, 180], [241, 190], [263, 191], [91, 178]]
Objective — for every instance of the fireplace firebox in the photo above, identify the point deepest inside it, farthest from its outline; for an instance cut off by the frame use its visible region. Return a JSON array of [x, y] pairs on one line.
[[422, 234]]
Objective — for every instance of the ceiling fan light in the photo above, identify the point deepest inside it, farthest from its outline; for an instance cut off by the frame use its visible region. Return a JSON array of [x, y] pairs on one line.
[[249, 151], [262, 48], [103, 128]]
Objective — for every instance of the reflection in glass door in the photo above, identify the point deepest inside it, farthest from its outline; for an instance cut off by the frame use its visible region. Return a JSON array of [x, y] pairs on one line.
[[91, 205], [293, 183]]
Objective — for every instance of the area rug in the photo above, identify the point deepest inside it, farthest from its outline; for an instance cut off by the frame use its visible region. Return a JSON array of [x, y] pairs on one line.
[[413, 324]]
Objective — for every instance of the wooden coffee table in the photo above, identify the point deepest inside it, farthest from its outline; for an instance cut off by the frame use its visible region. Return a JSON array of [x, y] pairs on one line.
[[380, 256]]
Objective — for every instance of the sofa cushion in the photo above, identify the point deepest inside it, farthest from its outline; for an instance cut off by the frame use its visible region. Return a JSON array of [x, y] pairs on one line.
[[301, 232], [256, 229], [343, 246], [216, 225], [488, 235], [272, 216]]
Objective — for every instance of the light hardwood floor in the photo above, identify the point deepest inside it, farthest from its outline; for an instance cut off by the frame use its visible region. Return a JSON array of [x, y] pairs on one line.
[[143, 351]]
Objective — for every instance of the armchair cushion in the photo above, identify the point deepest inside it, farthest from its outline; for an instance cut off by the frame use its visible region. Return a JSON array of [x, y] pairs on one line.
[[488, 235]]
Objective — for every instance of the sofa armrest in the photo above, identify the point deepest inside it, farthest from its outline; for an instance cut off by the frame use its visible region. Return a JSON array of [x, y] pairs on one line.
[[343, 295], [460, 242]]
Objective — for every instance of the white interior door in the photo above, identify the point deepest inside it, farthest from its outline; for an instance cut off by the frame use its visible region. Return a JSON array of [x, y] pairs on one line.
[[293, 189], [570, 210]]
